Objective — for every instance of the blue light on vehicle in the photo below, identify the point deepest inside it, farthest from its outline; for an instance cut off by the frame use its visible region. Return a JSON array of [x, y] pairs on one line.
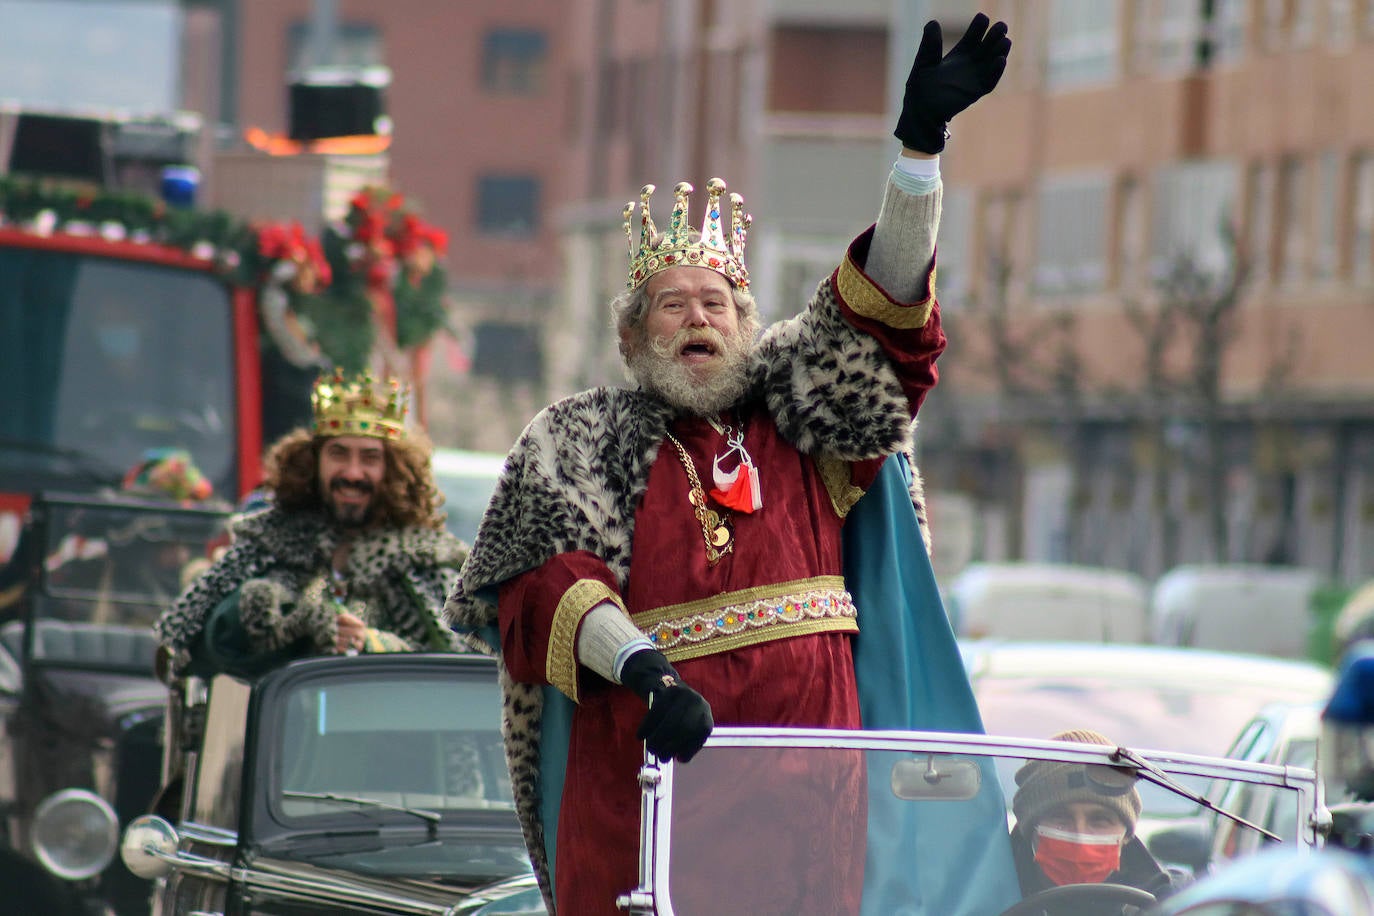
[[1348, 724]]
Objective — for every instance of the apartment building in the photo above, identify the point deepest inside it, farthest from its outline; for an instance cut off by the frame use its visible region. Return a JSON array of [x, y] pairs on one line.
[[783, 99], [476, 99], [1156, 258], [1161, 301]]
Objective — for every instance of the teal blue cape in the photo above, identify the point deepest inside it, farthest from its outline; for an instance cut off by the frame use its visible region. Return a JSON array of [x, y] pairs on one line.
[[910, 677]]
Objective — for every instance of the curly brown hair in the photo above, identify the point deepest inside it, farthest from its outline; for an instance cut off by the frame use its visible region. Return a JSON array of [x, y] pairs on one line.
[[406, 498]]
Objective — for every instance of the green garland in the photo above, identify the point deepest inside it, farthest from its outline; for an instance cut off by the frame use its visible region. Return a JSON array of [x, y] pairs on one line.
[[339, 316], [420, 312]]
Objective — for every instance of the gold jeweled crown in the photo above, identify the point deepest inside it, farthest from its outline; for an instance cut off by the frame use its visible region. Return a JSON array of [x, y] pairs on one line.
[[361, 407], [675, 246]]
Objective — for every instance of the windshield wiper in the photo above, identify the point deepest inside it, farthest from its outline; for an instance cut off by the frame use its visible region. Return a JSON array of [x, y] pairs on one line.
[[1151, 773], [431, 818]]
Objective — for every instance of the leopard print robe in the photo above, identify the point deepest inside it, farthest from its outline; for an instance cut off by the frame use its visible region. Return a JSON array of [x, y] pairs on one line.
[[577, 472], [279, 561]]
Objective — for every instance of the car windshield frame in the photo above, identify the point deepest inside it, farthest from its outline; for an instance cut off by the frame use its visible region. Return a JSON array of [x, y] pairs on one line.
[[279, 698], [659, 781]]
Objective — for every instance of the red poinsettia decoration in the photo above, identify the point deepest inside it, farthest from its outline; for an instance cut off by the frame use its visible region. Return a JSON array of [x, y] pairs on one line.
[[278, 242]]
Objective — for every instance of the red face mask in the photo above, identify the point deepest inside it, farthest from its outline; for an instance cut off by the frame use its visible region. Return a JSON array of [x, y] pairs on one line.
[[1076, 858]]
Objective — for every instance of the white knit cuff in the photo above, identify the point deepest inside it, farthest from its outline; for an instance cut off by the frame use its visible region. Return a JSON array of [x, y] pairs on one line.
[[606, 638]]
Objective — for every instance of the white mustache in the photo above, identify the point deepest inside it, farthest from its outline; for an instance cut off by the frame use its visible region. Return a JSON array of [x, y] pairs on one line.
[[673, 345]]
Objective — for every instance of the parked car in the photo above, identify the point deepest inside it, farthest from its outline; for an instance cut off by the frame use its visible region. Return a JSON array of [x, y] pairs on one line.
[[372, 784], [1160, 697], [1235, 607], [80, 708], [1285, 734], [1337, 879], [1048, 601], [467, 480]]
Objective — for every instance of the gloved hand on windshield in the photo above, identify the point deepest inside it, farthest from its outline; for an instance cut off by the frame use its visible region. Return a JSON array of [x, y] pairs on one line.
[[939, 88], [679, 719]]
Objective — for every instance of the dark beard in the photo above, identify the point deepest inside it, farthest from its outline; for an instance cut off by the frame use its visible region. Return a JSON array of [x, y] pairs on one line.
[[350, 515], [654, 366]]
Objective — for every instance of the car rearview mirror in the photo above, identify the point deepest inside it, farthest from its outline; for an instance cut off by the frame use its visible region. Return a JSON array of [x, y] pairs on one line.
[[936, 777]]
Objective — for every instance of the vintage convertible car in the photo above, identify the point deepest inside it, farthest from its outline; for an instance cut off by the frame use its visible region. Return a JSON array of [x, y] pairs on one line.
[[751, 824], [372, 784], [80, 708], [377, 785]]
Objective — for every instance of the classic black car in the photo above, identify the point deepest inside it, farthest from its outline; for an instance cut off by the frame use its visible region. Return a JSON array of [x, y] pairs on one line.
[[371, 784], [81, 708]]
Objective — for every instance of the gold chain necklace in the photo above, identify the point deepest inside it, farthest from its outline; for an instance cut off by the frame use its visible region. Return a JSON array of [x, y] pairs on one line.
[[715, 526]]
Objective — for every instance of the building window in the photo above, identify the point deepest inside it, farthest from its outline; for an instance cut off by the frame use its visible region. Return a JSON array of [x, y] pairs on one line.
[[1259, 221], [1191, 202], [1326, 217], [1230, 20], [508, 352], [1303, 22], [1340, 23], [1084, 43], [852, 80], [352, 46], [514, 61], [508, 205], [1173, 32], [1130, 234], [956, 231], [1071, 235], [1000, 224], [1290, 215], [1273, 24], [1362, 219]]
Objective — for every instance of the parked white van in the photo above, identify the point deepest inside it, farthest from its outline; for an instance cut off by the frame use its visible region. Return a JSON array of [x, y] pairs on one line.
[[1240, 607], [1048, 601]]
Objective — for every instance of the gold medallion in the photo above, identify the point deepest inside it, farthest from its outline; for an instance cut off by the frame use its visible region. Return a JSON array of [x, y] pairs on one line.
[[720, 537]]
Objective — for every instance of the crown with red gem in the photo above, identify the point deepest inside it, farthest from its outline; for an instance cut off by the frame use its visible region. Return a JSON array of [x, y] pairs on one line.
[[676, 245], [361, 407]]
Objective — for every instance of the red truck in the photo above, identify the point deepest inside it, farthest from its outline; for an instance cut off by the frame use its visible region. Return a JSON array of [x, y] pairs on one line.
[[109, 347]]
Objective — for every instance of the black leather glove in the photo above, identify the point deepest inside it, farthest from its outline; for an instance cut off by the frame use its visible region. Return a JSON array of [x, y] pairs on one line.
[[679, 719], [938, 89]]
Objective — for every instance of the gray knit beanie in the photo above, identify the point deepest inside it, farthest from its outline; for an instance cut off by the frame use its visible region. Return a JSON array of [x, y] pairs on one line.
[[1042, 784]]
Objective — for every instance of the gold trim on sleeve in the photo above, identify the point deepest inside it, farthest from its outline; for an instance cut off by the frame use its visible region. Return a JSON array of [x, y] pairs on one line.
[[561, 662], [866, 298]]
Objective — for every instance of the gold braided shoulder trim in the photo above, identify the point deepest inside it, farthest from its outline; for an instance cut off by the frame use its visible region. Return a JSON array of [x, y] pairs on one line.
[[866, 298], [836, 477], [561, 662], [749, 617]]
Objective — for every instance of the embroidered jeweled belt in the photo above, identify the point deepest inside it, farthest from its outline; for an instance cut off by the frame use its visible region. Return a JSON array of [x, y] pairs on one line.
[[750, 616]]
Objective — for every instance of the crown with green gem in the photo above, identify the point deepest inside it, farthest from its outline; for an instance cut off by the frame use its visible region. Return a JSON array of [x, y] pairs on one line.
[[360, 407], [680, 245]]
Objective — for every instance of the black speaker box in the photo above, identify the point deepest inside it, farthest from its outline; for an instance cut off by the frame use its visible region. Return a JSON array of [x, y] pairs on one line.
[[320, 110]]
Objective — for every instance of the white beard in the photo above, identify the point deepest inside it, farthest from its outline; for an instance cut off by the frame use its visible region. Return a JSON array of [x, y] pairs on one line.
[[704, 390]]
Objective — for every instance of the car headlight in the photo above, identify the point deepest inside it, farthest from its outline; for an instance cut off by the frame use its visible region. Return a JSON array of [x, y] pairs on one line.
[[75, 834]]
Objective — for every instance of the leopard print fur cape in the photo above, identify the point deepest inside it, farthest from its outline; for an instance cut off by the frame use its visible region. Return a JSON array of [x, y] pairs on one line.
[[575, 475], [280, 561]]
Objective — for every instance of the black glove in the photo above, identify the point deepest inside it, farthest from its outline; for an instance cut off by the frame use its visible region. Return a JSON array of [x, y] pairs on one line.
[[679, 719], [938, 89]]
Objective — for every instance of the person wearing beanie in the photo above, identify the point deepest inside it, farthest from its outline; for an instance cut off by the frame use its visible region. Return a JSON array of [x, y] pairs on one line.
[[1075, 824]]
